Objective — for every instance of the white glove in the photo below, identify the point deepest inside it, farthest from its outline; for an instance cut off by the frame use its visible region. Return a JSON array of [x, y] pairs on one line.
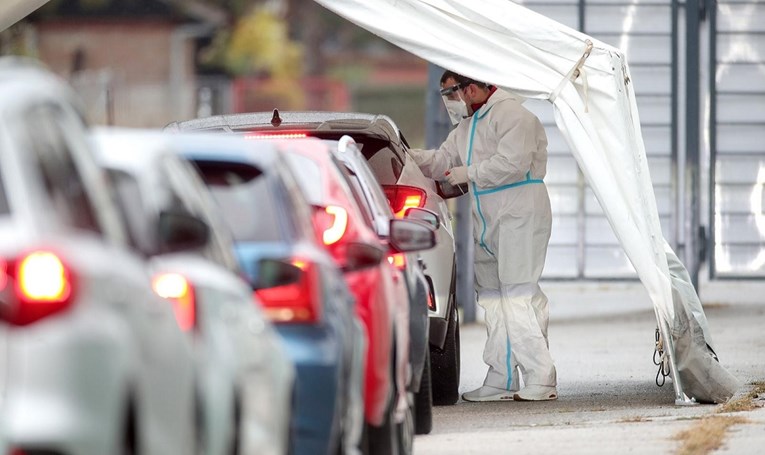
[[457, 175]]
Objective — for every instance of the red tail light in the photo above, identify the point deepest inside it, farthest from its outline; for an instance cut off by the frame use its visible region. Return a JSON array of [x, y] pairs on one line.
[[398, 260], [335, 224], [402, 197], [296, 302], [43, 286], [276, 136], [177, 289]]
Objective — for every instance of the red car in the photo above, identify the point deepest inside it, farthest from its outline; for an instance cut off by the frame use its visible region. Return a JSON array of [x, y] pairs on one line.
[[380, 290]]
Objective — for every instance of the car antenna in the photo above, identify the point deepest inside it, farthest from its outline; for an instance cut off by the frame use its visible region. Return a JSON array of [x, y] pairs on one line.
[[276, 120]]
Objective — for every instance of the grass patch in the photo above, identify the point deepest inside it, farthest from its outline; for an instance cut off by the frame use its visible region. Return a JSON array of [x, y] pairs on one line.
[[634, 419], [746, 402], [706, 435]]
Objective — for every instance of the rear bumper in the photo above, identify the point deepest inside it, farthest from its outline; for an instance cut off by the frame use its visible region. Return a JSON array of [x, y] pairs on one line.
[[64, 386], [317, 353]]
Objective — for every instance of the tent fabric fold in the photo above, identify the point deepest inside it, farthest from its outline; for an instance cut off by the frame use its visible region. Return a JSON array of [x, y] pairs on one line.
[[502, 43]]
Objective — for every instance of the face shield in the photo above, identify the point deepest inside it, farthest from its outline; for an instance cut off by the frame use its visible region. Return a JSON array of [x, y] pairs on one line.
[[454, 104]]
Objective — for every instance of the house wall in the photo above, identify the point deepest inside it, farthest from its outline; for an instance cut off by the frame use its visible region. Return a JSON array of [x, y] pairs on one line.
[[124, 72]]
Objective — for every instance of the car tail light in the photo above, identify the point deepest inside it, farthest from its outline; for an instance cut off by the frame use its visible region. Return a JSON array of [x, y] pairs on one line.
[[335, 224], [296, 302], [177, 289], [431, 296], [402, 197], [43, 286], [398, 260], [276, 136]]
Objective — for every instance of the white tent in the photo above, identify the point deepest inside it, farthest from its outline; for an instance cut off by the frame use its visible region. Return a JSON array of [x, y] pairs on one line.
[[588, 83], [12, 11]]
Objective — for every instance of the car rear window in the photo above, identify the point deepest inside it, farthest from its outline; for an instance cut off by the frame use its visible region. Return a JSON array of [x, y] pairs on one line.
[[130, 204], [245, 199], [308, 174]]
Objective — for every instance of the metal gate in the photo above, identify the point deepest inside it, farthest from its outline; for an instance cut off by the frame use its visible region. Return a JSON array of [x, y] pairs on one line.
[[583, 245], [737, 139]]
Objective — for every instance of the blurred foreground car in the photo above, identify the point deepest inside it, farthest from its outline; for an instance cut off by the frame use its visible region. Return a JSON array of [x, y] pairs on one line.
[[385, 148], [343, 222], [298, 284], [246, 379], [91, 360]]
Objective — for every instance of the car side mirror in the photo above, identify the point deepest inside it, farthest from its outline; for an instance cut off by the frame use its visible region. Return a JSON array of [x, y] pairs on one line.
[[360, 256], [411, 235], [180, 231], [447, 191], [428, 216]]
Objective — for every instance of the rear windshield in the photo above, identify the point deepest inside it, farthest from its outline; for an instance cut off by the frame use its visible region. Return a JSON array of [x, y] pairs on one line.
[[130, 204], [308, 174], [245, 199]]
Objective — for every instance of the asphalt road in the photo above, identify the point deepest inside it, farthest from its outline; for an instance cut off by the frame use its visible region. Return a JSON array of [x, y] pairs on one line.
[[609, 402]]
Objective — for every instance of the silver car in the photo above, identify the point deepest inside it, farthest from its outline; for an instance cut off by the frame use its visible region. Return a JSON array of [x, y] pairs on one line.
[[246, 379], [91, 360]]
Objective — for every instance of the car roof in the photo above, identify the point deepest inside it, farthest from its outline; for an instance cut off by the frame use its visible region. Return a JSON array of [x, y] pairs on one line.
[[380, 125]]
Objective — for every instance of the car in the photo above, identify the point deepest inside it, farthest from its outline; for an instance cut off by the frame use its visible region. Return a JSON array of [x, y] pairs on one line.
[[92, 360], [245, 377], [343, 221], [298, 283], [367, 191], [385, 148]]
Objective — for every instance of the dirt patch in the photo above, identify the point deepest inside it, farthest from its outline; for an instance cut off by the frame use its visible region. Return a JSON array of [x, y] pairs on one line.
[[706, 435], [746, 402]]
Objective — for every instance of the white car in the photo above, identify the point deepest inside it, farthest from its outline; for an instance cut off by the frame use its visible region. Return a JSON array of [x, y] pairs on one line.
[[245, 376], [385, 149], [91, 360]]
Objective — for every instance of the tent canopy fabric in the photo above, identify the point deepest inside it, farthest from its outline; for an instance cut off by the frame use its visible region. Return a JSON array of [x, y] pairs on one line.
[[589, 84], [502, 43], [12, 11]]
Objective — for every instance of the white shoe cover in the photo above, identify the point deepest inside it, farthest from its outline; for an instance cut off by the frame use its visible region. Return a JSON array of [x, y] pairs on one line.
[[536, 393], [488, 393]]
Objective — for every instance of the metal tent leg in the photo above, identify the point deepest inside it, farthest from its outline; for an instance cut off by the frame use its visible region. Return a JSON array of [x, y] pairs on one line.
[[681, 399]]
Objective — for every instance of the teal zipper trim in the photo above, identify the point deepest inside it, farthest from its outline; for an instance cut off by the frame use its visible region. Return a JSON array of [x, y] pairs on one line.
[[482, 242]]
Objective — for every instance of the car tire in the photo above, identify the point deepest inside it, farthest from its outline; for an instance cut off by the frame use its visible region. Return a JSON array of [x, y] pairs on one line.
[[129, 445], [405, 429], [382, 440], [445, 363], [423, 401]]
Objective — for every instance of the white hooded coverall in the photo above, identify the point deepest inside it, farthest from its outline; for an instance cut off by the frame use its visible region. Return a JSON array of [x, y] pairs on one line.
[[504, 147]]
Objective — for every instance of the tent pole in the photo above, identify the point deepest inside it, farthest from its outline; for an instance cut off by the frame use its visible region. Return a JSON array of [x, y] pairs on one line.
[[681, 399]]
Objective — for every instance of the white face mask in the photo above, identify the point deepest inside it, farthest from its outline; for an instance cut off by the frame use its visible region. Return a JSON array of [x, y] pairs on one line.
[[457, 110]]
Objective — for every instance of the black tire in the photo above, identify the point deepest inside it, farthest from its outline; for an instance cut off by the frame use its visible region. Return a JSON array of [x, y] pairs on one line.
[[405, 429], [130, 432], [385, 439], [382, 440], [423, 401], [445, 363]]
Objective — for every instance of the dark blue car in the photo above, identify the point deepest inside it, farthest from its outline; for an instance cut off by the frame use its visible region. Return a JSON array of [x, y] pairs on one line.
[[297, 283]]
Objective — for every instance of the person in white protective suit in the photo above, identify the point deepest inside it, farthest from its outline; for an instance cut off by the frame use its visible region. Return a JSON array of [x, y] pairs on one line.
[[500, 149]]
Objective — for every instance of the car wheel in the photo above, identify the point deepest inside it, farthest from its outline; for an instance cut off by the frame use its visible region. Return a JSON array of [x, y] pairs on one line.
[[130, 433], [423, 401], [405, 429], [382, 440], [445, 363]]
